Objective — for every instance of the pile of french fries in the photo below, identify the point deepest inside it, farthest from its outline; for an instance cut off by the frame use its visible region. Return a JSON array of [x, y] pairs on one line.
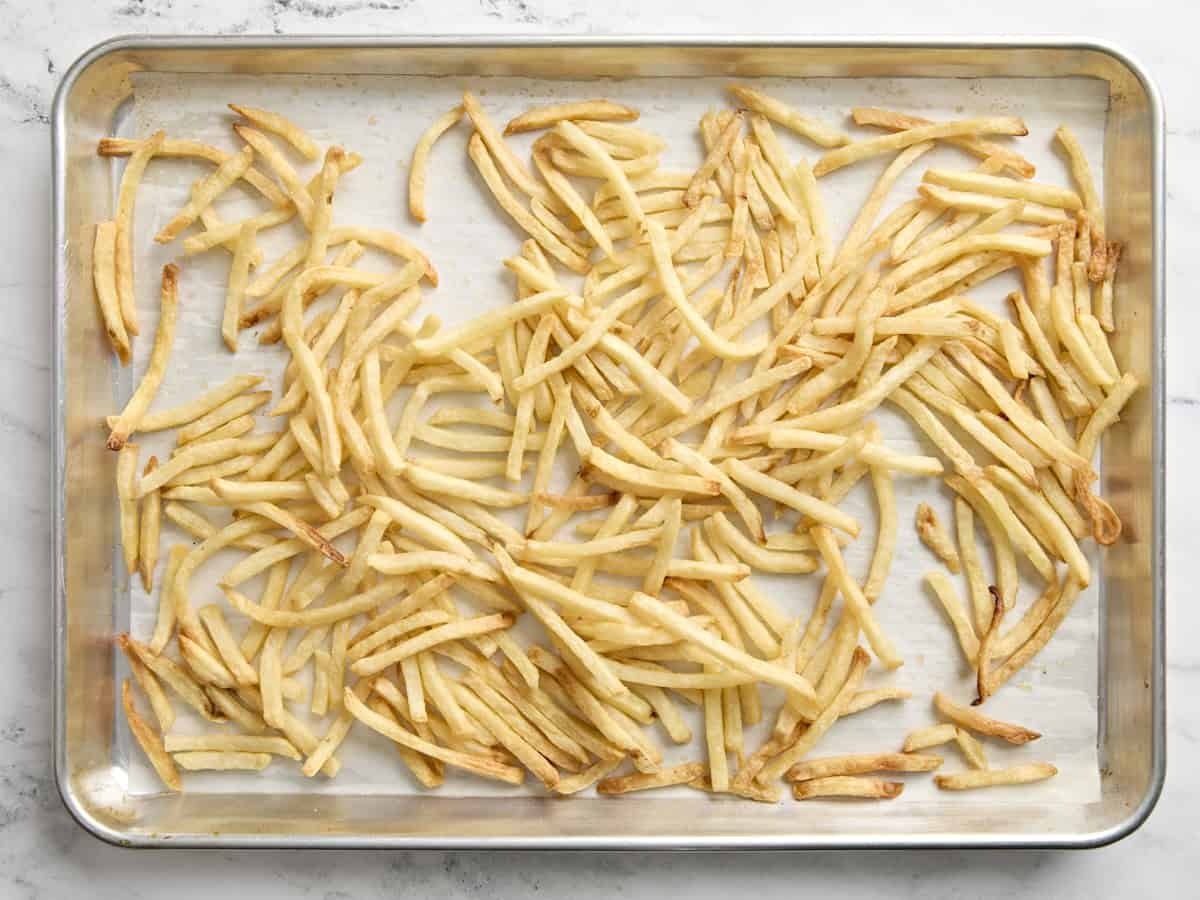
[[710, 383]]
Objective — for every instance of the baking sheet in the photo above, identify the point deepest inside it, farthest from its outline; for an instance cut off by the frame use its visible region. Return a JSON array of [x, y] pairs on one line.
[[467, 237]]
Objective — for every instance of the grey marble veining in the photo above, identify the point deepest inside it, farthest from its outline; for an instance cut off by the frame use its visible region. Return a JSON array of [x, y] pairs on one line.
[[43, 854]]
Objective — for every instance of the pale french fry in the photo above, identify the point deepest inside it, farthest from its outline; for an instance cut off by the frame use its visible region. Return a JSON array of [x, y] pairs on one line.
[[420, 160], [451, 631], [1041, 637], [541, 117], [759, 557], [1064, 543], [658, 612], [864, 700], [1032, 428], [239, 271], [779, 112], [507, 735], [847, 413], [820, 725], [149, 522], [205, 192], [104, 274], [944, 590], [862, 764], [277, 124], [126, 474], [1023, 774], [173, 148], [673, 289], [164, 337], [861, 227], [969, 550], [969, 201], [140, 157], [526, 220], [971, 749], [1047, 195], [932, 736], [770, 487], [860, 150]]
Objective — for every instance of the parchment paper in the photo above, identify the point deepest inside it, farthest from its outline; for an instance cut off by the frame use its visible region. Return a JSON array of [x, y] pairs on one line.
[[467, 237]]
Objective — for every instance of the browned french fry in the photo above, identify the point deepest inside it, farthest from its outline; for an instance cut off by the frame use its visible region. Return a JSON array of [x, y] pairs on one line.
[[844, 786], [975, 721], [861, 764]]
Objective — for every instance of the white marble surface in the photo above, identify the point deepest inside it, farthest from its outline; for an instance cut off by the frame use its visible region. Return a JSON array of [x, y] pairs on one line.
[[44, 854]]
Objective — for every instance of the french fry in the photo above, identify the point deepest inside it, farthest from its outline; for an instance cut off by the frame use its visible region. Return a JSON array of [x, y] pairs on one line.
[[854, 152], [508, 737], [643, 781], [164, 337], [944, 590], [126, 472], [205, 192], [541, 117], [526, 220], [174, 148], [820, 725], [784, 115], [164, 713], [932, 736], [150, 741], [277, 124], [1023, 774], [222, 760], [123, 242], [1028, 650], [972, 720], [1047, 195], [104, 274], [986, 150], [658, 612], [933, 535], [236, 743], [847, 786], [862, 764], [451, 631]]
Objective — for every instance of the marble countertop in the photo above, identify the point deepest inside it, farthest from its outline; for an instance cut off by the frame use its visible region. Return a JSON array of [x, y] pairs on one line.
[[43, 853]]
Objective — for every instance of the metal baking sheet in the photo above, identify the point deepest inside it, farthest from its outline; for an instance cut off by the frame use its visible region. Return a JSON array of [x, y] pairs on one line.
[[380, 115]]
